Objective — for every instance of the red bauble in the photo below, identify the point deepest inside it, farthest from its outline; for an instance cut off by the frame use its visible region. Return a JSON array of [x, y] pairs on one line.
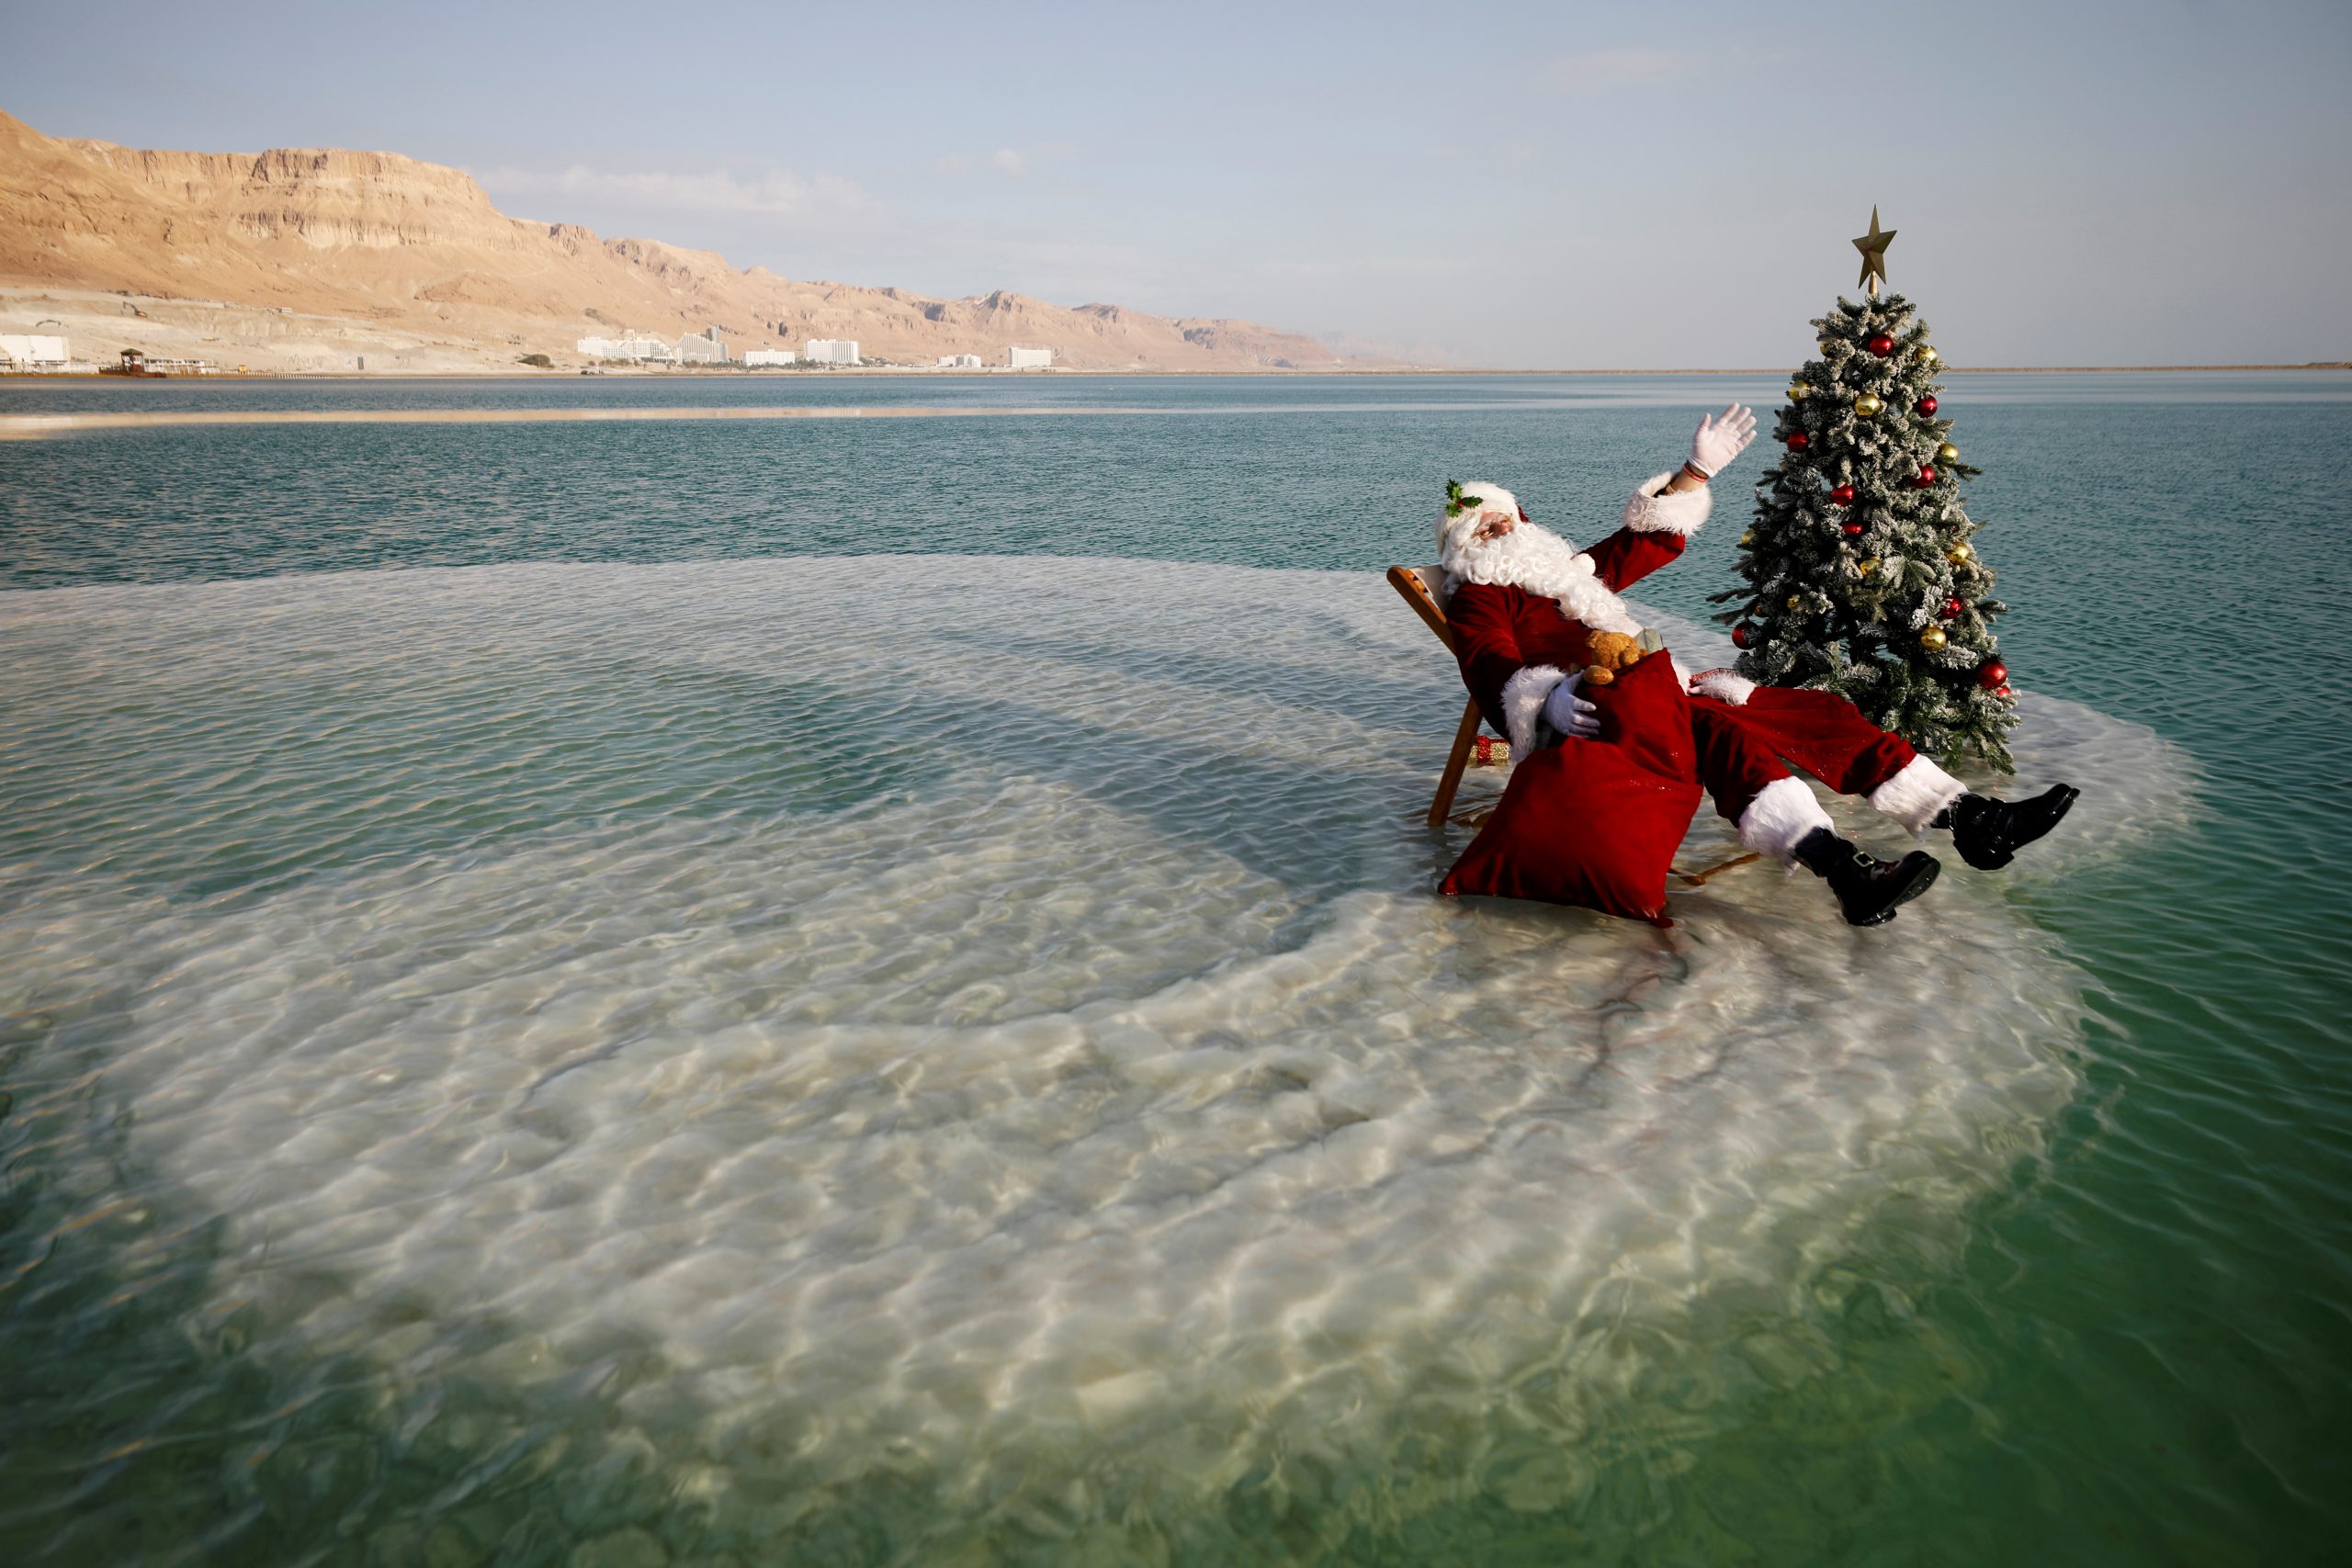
[[1952, 607], [1853, 530], [1926, 477], [1842, 496], [1800, 441], [1882, 345], [1993, 675], [2003, 691], [1739, 636], [1925, 406]]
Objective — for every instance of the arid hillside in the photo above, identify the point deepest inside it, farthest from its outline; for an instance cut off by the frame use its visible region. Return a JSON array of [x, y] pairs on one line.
[[308, 259]]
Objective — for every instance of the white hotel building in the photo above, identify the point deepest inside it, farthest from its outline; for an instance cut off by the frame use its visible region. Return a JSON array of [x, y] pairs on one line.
[[830, 351], [710, 350], [32, 350], [629, 346]]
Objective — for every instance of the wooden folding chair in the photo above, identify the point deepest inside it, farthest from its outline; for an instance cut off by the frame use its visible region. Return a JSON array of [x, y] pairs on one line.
[[1422, 587]]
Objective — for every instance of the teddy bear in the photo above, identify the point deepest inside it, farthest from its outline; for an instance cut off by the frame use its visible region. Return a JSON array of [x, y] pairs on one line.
[[1609, 652]]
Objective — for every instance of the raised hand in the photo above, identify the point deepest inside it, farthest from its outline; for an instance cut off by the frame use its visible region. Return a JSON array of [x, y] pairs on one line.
[[1721, 437]]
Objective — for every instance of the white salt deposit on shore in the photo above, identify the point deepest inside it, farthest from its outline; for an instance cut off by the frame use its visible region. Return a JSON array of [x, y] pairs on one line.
[[1027, 1058]]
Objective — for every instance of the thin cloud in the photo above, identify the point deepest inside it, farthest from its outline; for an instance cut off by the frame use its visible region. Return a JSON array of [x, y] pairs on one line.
[[720, 190], [1596, 69], [1318, 269], [1013, 163]]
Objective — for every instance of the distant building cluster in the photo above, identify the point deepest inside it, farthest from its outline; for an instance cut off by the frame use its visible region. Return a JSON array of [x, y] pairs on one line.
[[631, 345], [156, 365], [706, 347]]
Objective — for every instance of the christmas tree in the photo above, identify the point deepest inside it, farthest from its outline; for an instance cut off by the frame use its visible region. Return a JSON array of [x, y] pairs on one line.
[[1858, 575]]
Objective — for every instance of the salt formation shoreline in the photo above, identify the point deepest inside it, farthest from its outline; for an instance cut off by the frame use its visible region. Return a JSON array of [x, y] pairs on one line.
[[1078, 1121]]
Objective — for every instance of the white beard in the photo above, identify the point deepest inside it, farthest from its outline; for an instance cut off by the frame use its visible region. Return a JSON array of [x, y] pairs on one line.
[[1542, 563]]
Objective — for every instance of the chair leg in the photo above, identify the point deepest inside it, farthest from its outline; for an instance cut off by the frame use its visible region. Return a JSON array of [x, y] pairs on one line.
[[1450, 780]]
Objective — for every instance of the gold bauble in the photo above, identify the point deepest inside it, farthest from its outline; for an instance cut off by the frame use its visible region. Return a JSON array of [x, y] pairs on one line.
[[1747, 538], [1868, 405], [1925, 353], [1823, 345], [1797, 389], [1796, 602], [1946, 453], [1933, 638], [1961, 552], [1867, 565]]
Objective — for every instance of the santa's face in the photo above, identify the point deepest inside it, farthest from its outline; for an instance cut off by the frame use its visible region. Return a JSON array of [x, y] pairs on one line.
[[1492, 526]]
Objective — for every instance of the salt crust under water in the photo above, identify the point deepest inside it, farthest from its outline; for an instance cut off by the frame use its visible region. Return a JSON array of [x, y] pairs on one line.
[[1031, 1061]]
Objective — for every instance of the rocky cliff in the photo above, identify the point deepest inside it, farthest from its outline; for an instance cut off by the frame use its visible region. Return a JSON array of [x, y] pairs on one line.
[[416, 252]]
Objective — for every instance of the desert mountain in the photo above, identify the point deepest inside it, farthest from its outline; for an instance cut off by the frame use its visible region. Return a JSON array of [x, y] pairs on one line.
[[302, 259]]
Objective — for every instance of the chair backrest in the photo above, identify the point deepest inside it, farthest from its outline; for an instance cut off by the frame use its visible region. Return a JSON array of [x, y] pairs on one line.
[[1423, 587]]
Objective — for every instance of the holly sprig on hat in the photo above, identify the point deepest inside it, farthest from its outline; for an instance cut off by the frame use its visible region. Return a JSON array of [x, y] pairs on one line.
[[1456, 504]]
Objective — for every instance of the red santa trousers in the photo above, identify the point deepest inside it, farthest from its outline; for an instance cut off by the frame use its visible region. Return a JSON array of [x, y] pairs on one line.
[[1740, 748], [1595, 823]]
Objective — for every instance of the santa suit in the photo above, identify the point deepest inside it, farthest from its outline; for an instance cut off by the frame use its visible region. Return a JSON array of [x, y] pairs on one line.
[[1523, 618]]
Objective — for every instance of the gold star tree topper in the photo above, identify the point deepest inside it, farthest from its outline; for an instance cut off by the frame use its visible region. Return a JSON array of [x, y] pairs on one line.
[[1873, 248]]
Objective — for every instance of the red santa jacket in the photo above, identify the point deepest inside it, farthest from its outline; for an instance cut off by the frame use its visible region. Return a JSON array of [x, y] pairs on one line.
[[1515, 644]]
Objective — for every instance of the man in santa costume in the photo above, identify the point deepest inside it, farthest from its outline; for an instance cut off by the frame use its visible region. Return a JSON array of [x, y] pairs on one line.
[[1605, 776]]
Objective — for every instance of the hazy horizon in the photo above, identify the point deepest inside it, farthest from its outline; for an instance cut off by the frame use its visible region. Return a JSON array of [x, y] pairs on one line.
[[1580, 187]]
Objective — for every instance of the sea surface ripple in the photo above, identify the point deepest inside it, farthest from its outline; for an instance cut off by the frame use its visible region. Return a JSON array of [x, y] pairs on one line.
[[782, 1038]]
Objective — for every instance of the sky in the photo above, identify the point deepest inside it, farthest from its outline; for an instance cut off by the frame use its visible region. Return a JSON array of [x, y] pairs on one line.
[[1554, 186]]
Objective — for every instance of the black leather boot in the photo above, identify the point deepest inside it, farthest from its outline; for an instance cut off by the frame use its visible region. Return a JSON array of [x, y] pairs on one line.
[[1987, 833], [1868, 889]]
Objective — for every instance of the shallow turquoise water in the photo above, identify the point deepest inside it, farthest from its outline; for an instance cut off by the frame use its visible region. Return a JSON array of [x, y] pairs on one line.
[[2100, 1316]]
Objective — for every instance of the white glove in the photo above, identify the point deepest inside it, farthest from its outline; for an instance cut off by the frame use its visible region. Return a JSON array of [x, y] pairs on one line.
[[1570, 714], [1721, 436]]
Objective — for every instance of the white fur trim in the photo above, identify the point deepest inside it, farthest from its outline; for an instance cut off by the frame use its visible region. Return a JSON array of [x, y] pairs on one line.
[[1651, 510], [1542, 563], [1724, 685], [1914, 795], [1523, 697], [1780, 816]]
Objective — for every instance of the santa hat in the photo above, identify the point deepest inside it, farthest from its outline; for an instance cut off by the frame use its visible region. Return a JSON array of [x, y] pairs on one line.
[[1464, 505]]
